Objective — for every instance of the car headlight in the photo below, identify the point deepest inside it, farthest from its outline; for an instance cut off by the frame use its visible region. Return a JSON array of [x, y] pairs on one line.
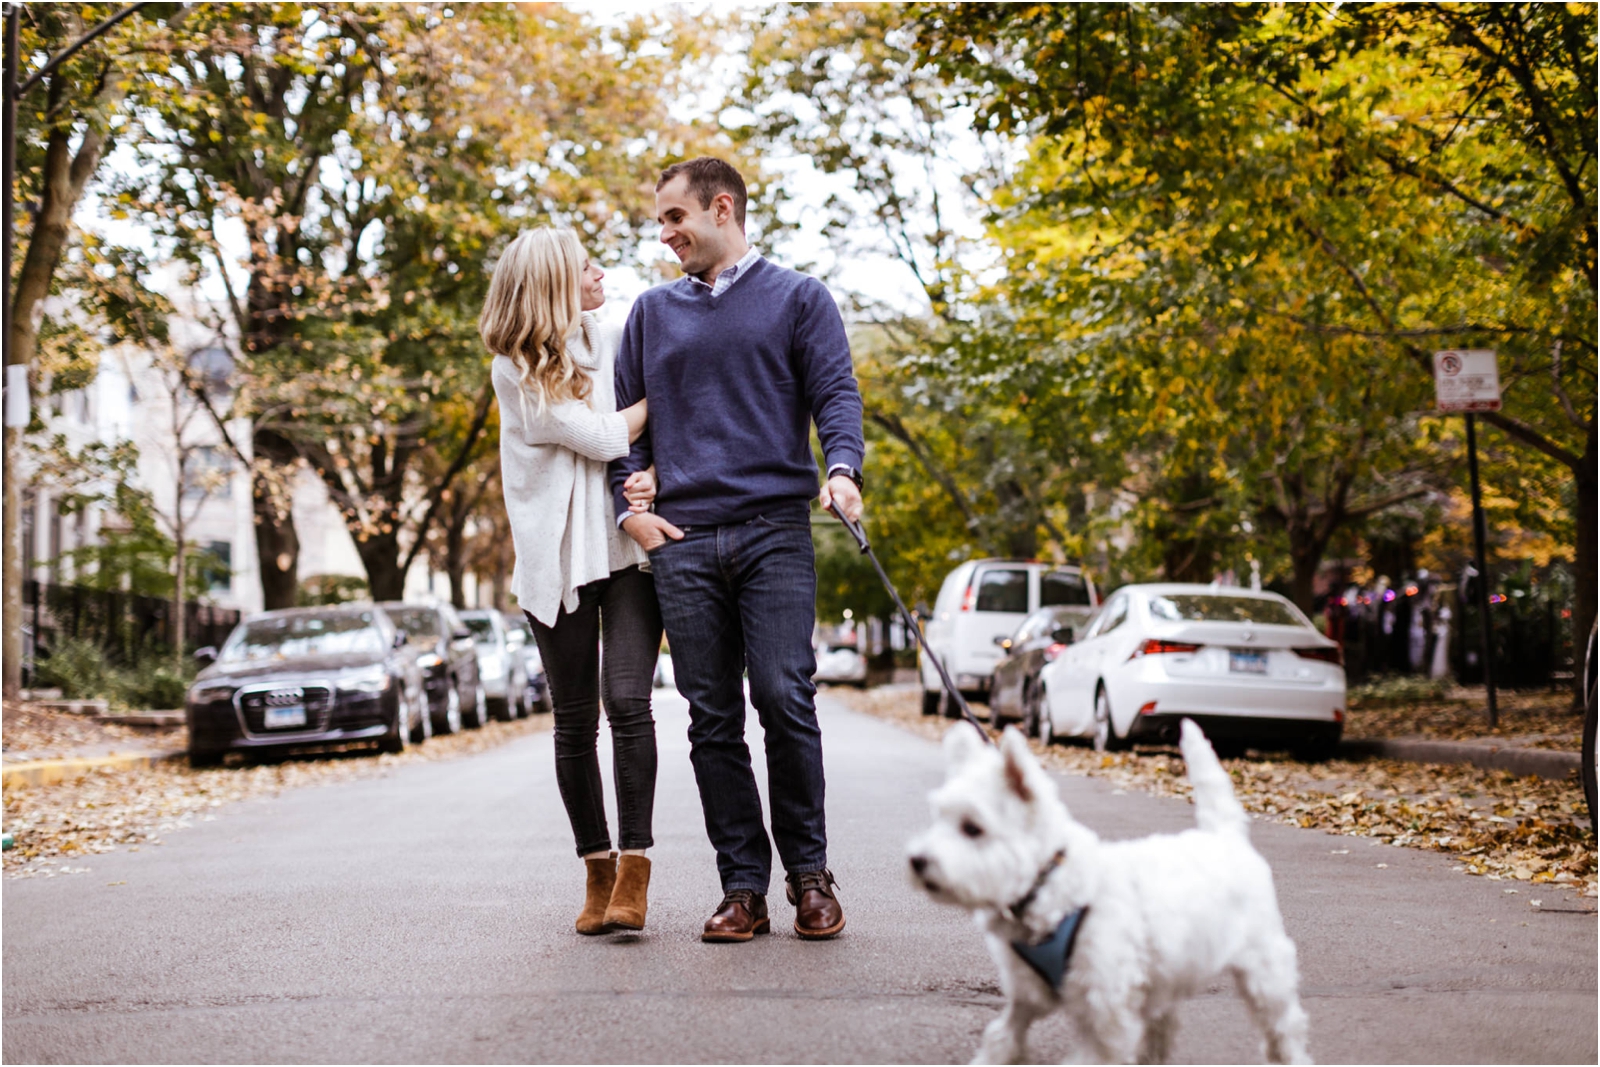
[[205, 694], [368, 680], [491, 666], [429, 660]]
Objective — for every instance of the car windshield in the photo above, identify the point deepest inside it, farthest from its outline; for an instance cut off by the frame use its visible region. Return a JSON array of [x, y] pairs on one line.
[[300, 636], [1005, 590], [1062, 587], [421, 625], [482, 628], [1220, 607]]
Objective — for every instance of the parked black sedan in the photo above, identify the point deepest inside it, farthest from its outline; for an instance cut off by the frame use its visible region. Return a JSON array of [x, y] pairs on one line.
[[444, 651], [1014, 686], [306, 676]]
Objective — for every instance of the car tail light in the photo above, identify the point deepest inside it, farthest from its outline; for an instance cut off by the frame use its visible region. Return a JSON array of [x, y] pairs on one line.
[[1053, 651], [1148, 709], [1154, 647], [1338, 715], [1326, 655], [969, 597]]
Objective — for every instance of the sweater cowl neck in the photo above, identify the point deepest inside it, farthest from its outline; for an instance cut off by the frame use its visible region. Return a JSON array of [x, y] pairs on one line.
[[584, 344]]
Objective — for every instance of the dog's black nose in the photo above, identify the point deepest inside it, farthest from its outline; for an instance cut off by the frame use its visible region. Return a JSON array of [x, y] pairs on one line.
[[919, 863]]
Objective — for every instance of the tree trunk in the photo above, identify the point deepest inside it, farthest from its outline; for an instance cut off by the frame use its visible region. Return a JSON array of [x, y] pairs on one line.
[[178, 591], [277, 544], [380, 555], [1584, 563], [455, 557]]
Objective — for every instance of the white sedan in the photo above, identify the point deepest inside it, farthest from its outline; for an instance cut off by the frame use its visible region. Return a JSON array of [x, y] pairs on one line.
[[1248, 667]]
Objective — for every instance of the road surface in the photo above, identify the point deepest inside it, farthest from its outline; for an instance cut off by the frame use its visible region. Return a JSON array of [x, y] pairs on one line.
[[427, 916]]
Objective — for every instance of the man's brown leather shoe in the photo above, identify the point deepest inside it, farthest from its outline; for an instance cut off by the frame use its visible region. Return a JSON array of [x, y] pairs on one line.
[[817, 914], [741, 916]]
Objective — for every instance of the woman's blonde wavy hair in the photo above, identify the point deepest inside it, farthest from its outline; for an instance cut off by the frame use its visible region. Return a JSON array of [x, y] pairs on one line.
[[534, 307]]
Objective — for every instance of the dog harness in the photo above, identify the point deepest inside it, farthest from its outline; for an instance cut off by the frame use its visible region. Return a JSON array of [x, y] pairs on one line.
[[1048, 958]]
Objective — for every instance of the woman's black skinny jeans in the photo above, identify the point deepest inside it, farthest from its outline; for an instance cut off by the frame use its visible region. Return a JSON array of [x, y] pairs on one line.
[[623, 609]]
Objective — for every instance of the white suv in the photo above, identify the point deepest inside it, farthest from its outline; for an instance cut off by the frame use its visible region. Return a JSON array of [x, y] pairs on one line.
[[981, 602]]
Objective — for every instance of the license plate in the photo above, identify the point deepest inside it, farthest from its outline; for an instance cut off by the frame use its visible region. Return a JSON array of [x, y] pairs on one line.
[[278, 718], [1247, 662]]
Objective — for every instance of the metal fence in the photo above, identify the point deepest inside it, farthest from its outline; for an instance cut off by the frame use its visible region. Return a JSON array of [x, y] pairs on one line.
[[128, 627]]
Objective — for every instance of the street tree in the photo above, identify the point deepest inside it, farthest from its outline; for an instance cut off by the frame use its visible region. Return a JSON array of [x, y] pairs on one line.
[[1407, 176]]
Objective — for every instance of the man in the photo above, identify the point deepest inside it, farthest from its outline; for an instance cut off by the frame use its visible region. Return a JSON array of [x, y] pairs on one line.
[[738, 358]]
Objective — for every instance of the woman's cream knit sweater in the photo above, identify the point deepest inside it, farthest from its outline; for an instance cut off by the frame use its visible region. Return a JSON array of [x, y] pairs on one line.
[[553, 475]]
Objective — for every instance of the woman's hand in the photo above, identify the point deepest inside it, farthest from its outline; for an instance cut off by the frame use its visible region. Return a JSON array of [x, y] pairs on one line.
[[640, 490], [635, 417]]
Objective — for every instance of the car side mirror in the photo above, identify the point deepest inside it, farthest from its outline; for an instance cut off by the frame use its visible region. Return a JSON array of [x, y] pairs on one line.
[[205, 656], [462, 634], [1003, 642], [1063, 635], [399, 638]]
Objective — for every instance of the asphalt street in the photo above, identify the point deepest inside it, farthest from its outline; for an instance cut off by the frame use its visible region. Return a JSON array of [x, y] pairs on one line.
[[427, 916]]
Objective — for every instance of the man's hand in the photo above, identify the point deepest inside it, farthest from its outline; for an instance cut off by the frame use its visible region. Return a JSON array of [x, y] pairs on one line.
[[650, 530], [640, 490], [842, 491]]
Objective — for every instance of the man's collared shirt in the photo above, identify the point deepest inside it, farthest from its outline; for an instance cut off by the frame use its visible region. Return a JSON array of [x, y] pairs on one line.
[[731, 275]]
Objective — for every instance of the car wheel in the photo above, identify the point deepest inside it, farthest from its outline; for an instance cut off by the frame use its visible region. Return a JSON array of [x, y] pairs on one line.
[[424, 728], [1045, 731], [1105, 732], [201, 760], [1589, 758], [930, 701], [452, 713], [947, 706], [480, 709], [399, 734]]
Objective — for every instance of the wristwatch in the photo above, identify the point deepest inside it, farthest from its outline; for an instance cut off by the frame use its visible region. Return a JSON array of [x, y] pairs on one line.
[[853, 473]]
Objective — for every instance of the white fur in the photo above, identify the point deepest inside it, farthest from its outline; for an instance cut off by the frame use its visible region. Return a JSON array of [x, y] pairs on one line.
[[1167, 915]]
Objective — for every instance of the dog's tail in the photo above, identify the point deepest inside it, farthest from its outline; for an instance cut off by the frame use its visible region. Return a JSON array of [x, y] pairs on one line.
[[1216, 808]]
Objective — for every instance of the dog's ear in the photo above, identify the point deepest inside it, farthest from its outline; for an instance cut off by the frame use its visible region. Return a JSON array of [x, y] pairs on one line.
[[1019, 764], [961, 743]]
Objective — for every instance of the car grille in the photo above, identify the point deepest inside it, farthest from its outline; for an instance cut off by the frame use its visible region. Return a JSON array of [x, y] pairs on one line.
[[317, 699]]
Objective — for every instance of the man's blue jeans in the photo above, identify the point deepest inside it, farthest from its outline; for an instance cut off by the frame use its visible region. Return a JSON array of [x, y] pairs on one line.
[[736, 598]]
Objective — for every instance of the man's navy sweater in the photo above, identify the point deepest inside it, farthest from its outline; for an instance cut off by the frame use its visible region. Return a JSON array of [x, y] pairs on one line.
[[734, 382]]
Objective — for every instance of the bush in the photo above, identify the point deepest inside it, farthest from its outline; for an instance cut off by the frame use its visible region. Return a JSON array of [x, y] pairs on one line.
[[155, 689], [77, 667], [1398, 689], [80, 669]]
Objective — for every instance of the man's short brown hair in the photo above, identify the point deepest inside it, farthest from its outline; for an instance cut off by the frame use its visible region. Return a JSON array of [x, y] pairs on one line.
[[709, 176]]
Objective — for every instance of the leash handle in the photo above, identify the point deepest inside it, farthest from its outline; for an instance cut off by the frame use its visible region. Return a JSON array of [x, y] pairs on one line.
[[910, 621]]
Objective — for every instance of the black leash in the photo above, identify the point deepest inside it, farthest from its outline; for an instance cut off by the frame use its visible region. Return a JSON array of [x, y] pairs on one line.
[[911, 623]]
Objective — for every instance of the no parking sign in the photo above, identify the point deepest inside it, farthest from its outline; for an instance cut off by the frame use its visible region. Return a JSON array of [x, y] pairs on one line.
[[1466, 379]]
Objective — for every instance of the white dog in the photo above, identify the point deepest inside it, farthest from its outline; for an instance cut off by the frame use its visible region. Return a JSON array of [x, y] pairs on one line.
[[1136, 926]]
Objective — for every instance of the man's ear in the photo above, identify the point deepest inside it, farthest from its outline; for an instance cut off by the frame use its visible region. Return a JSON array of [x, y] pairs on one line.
[[961, 743], [721, 208], [1019, 764]]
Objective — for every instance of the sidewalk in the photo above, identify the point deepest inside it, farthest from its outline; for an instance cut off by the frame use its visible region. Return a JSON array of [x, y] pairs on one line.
[[44, 743]]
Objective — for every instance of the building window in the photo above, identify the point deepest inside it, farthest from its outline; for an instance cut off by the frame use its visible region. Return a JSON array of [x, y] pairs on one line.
[[217, 566], [206, 472], [213, 368]]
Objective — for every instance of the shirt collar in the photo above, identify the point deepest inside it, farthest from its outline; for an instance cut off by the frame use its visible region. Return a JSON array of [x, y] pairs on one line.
[[746, 261]]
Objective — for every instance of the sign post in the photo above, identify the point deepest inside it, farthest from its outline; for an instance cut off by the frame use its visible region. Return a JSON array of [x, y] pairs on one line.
[[1468, 381]]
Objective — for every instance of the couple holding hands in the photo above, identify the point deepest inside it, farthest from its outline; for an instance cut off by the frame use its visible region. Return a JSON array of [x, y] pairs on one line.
[[702, 409]]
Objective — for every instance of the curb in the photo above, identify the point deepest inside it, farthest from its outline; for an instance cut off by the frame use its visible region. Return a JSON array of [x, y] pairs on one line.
[[50, 771], [1540, 762]]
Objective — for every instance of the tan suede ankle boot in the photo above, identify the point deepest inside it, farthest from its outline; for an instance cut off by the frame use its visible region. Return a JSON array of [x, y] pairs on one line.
[[602, 877], [628, 897]]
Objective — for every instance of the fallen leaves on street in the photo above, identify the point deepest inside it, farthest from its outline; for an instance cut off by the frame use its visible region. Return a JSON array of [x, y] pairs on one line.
[[1542, 718], [35, 733], [1494, 823], [57, 827]]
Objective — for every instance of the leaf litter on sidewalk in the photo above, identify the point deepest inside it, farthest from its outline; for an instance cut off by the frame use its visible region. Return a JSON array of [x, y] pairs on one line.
[[58, 827], [1494, 823]]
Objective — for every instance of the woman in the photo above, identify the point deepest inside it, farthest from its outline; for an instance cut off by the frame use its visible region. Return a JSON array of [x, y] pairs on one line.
[[577, 577]]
